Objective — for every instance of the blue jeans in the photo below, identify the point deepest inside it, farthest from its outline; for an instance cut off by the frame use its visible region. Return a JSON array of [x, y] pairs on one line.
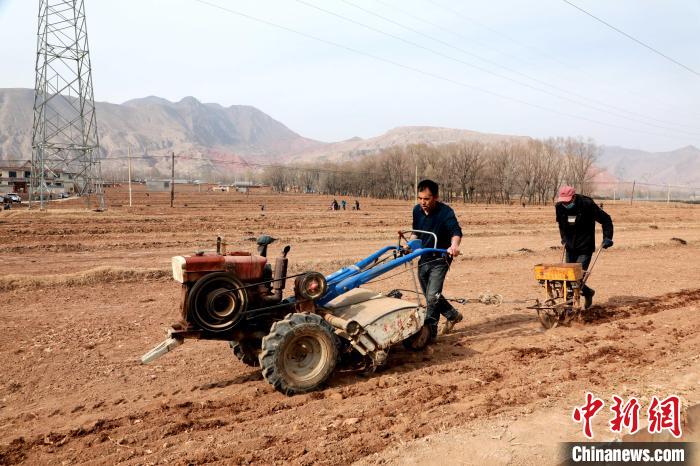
[[431, 277], [585, 261]]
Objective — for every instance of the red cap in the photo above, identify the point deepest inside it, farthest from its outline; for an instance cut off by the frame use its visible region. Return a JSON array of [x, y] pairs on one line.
[[566, 193]]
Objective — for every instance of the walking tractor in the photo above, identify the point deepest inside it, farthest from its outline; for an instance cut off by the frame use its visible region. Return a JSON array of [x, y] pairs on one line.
[[238, 297]]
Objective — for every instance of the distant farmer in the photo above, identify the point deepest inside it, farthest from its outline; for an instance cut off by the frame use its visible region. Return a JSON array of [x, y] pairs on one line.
[[432, 215], [357, 204], [576, 216], [343, 203]]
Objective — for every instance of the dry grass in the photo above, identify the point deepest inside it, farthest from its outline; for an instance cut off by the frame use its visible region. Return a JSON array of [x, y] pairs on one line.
[[323, 266], [97, 275]]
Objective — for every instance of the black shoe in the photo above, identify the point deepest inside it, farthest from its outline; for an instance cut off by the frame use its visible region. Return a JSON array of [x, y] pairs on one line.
[[588, 299], [433, 333]]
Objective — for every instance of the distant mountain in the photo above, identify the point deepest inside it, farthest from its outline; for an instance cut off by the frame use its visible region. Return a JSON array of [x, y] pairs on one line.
[[678, 167], [153, 125], [240, 134], [356, 147]]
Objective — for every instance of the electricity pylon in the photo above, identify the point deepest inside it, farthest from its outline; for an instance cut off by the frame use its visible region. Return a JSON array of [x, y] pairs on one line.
[[65, 145]]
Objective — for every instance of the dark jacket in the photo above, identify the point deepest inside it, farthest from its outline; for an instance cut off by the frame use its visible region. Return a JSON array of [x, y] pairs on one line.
[[441, 221], [579, 233]]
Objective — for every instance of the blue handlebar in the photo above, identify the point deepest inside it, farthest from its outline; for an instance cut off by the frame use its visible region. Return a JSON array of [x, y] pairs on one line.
[[351, 277]]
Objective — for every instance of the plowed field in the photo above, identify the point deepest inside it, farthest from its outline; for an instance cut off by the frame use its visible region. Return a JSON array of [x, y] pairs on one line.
[[84, 294]]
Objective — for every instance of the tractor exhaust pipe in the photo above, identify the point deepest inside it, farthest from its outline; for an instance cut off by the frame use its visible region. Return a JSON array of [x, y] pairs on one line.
[[279, 278], [220, 246], [280, 275]]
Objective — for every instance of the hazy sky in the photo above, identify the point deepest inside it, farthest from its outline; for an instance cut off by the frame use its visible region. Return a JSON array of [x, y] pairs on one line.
[[538, 68]]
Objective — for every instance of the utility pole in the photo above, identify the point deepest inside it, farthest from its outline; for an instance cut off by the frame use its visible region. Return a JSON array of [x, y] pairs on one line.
[[129, 176], [632, 196], [64, 132], [668, 193], [172, 179]]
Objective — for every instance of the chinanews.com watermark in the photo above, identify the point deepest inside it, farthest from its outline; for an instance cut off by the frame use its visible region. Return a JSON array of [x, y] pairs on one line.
[[663, 415], [618, 453]]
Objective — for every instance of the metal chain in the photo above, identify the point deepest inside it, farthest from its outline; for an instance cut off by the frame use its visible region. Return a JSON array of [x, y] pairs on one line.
[[484, 298], [520, 301]]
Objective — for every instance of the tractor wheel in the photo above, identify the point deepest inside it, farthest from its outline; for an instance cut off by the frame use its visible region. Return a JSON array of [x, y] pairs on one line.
[[299, 353], [418, 341], [246, 351]]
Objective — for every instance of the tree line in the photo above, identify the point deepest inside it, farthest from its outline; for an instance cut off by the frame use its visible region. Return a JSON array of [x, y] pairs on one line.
[[527, 170]]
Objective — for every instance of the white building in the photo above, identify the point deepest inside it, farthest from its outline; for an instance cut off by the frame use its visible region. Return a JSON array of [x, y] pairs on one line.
[[17, 179]]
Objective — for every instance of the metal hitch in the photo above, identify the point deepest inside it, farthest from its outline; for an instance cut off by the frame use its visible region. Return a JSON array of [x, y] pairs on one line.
[[169, 344]]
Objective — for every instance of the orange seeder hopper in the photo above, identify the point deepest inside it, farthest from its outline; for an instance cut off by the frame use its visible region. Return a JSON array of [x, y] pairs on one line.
[[562, 287]]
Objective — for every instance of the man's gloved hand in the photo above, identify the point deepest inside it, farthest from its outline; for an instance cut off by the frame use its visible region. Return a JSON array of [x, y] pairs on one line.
[[607, 243]]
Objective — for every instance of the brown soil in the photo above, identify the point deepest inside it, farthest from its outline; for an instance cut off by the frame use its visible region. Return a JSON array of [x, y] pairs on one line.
[[85, 294]]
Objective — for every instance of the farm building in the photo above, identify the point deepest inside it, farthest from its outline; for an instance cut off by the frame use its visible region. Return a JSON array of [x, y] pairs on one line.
[[17, 178]]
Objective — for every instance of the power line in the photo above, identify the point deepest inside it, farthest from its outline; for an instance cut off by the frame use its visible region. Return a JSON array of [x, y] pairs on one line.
[[243, 163], [426, 73], [544, 83], [632, 38], [352, 172], [455, 33], [641, 183], [346, 172], [485, 70], [498, 33], [578, 69]]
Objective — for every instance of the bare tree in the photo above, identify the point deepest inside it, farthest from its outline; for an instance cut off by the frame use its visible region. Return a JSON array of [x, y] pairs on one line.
[[580, 163], [465, 161], [276, 178], [527, 170], [554, 167], [532, 170], [502, 167]]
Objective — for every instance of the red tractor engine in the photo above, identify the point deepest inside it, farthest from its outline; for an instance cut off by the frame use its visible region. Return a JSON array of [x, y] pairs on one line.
[[218, 289]]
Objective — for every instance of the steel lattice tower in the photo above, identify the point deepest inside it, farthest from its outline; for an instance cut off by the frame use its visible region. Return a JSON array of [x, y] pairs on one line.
[[65, 144]]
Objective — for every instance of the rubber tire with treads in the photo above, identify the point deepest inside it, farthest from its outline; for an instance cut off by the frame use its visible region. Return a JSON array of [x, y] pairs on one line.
[[299, 353], [246, 351]]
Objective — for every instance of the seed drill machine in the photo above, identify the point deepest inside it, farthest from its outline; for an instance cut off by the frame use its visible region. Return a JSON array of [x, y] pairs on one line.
[[562, 284]]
